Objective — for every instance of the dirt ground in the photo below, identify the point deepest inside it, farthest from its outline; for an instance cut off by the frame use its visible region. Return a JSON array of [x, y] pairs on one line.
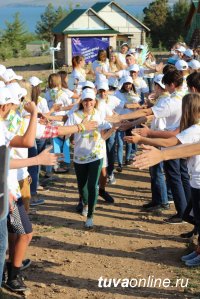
[[68, 260]]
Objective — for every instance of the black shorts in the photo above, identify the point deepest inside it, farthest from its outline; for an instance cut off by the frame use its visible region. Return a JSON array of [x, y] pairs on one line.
[[18, 222]]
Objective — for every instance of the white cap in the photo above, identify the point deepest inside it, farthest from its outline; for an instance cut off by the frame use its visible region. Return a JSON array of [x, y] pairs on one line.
[[2, 84], [10, 75], [103, 85], [88, 84], [17, 92], [141, 47], [6, 97], [158, 79], [181, 49], [35, 81], [134, 68], [2, 69], [126, 79], [181, 65], [88, 93], [194, 64], [131, 51], [188, 53], [124, 44]]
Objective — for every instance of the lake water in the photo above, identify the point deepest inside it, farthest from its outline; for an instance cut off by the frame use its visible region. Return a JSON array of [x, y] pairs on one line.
[[30, 15]]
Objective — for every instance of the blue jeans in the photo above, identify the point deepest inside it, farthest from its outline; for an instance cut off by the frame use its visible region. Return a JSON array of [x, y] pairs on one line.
[[110, 147], [195, 198], [158, 185], [33, 170], [119, 136], [178, 178], [3, 245], [62, 146]]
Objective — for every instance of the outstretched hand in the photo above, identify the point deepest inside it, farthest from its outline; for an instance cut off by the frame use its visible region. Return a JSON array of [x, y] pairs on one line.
[[133, 139], [150, 156], [141, 131], [47, 158], [89, 124]]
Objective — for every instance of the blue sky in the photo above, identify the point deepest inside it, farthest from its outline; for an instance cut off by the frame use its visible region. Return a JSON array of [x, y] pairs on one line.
[[81, 2]]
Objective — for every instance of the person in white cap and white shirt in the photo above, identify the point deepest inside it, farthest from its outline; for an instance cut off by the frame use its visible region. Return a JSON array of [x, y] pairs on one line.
[[106, 105], [182, 66], [128, 96], [41, 103], [140, 85], [188, 55], [10, 76], [88, 151], [124, 48]]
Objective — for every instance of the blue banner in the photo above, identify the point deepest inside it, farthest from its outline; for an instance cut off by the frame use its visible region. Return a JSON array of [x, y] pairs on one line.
[[89, 47]]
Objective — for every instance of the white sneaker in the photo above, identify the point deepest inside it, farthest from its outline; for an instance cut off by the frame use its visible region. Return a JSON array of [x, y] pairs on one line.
[[89, 223], [85, 210]]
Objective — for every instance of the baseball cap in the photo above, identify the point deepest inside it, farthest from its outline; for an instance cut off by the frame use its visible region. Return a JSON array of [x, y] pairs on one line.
[[103, 85], [124, 44], [134, 68], [35, 81], [17, 92], [188, 53], [181, 49], [88, 84], [10, 75], [141, 47], [158, 79], [194, 64], [2, 69], [88, 93], [181, 65], [6, 96], [126, 79]]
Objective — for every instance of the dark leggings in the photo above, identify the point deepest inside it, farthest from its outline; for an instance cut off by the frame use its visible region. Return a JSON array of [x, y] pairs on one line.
[[195, 198], [87, 178]]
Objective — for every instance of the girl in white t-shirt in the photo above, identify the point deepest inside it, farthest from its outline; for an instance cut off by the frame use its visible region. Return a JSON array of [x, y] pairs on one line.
[[189, 134], [88, 151], [100, 66]]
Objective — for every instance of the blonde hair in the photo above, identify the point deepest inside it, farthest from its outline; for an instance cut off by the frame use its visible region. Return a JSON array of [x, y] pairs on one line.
[[190, 110], [54, 81], [27, 85], [117, 65]]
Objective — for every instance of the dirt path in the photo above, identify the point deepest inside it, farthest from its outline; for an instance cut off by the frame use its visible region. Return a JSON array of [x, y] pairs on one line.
[[125, 243]]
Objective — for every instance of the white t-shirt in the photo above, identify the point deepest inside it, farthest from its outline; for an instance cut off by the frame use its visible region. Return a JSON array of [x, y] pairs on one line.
[[89, 145], [125, 98], [190, 136], [171, 110], [103, 66], [122, 58], [159, 123], [42, 105], [76, 79], [140, 85]]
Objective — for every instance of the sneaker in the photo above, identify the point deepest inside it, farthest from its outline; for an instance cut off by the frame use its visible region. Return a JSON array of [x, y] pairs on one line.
[[157, 207], [175, 219], [79, 207], [188, 234], [25, 264], [16, 284], [111, 180], [189, 256], [128, 162], [85, 210], [89, 223], [195, 262], [106, 196], [35, 201], [119, 168]]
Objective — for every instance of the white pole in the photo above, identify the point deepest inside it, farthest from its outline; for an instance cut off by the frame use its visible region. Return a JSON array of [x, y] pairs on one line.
[[53, 60]]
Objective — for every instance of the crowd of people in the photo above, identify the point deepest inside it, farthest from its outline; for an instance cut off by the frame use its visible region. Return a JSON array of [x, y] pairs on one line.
[[131, 100]]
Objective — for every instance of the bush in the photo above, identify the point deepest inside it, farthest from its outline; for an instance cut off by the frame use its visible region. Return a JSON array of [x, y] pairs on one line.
[[6, 52], [25, 53]]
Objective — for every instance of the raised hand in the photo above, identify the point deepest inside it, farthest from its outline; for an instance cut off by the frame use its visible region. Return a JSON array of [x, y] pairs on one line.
[[89, 125], [30, 107], [47, 158]]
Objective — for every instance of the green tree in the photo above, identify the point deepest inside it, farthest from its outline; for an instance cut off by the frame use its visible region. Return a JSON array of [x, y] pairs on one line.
[[175, 29], [155, 17], [14, 37], [49, 19]]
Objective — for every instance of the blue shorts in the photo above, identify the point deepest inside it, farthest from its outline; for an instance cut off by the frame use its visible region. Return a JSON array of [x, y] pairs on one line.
[[18, 222]]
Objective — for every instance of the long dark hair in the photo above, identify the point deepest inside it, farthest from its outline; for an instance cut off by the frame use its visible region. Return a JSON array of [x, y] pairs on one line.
[[123, 90], [63, 75], [190, 110], [36, 91]]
